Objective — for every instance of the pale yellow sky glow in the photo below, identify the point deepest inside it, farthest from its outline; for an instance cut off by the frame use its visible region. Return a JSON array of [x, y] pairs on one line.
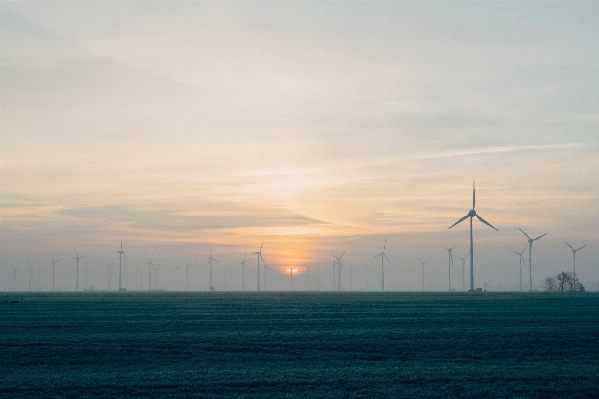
[[317, 127]]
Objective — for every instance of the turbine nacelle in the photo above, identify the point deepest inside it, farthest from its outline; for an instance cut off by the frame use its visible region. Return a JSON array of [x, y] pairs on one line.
[[472, 213]]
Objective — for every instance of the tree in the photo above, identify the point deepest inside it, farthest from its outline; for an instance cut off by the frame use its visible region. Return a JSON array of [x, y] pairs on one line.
[[563, 279], [570, 282], [550, 284]]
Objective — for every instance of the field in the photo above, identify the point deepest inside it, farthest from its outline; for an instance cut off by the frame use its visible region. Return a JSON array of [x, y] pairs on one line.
[[256, 345]]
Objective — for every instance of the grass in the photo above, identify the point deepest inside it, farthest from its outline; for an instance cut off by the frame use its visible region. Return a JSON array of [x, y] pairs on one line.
[[300, 345]]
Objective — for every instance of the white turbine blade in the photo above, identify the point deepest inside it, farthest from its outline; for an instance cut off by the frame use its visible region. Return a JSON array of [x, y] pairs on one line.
[[451, 258], [385, 245], [527, 236], [473, 195], [444, 247], [419, 259], [569, 246], [524, 249], [261, 245], [387, 258], [454, 246], [342, 255], [577, 249], [376, 256], [459, 221], [540, 236], [485, 222]]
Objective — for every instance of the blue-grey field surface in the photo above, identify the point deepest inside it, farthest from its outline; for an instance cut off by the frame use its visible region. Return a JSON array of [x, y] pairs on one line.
[[256, 345]]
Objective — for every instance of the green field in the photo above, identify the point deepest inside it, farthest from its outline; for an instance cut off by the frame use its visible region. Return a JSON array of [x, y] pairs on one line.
[[256, 345]]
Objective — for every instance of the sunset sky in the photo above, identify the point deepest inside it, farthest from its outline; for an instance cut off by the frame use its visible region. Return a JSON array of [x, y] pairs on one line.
[[316, 127]]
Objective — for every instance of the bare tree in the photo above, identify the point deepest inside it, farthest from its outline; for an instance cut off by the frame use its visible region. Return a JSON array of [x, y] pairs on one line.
[[550, 284], [563, 278], [569, 282]]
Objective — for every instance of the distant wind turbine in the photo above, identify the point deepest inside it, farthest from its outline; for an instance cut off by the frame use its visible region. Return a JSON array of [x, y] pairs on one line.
[[367, 270], [521, 255], [422, 263], [121, 254], [187, 266], [530, 241], [39, 277], [334, 272], [109, 266], [150, 266], [259, 255], [463, 268], [339, 270], [30, 266], [471, 214], [449, 261], [14, 281], [574, 255], [265, 269], [243, 267], [54, 262], [291, 269], [210, 259], [77, 258], [383, 255]]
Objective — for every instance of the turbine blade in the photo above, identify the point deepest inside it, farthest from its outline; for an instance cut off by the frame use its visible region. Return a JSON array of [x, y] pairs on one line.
[[444, 247], [541, 236], [342, 255], [569, 246], [385, 245], [582, 247], [459, 221], [524, 249], [527, 236], [261, 245], [454, 246], [388, 260], [473, 195], [485, 222]]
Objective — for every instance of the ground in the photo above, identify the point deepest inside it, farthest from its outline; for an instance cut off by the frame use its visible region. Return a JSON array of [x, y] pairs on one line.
[[299, 345]]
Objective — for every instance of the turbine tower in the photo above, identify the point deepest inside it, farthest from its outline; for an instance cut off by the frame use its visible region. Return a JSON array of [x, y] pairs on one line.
[[14, 281], [243, 267], [338, 259], [210, 259], [574, 255], [470, 215], [187, 266], [521, 255], [334, 272], [422, 263], [449, 261], [30, 266], [463, 268], [383, 255], [53, 268], [121, 254], [150, 265], [77, 258], [109, 266], [291, 269], [265, 269], [259, 255], [530, 241]]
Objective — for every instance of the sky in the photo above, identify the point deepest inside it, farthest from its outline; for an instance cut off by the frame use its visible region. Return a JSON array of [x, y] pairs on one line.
[[184, 127]]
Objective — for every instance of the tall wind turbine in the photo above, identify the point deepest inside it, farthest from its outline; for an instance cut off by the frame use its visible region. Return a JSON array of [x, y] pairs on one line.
[[383, 255], [109, 266], [449, 261], [463, 268], [243, 267], [471, 214], [422, 263], [259, 255], [338, 259], [121, 254], [521, 255], [334, 272], [291, 269], [265, 269], [530, 241], [77, 258], [210, 259], [54, 262], [30, 266], [574, 255]]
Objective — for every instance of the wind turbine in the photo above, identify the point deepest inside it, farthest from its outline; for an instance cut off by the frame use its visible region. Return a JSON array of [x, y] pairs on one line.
[[86, 269], [338, 259], [423, 262], [470, 215], [150, 265], [121, 254], [308, 268], [77, 258], [210, 259], [383, 255], [39, 277], [109, 266], [187, 266], [530, 241], [449, 261], [334, 272], [259, 255], [521, 255], [367, 269], [30, 266], [574, 255], [265, 268], [224, 278], [53, 268], [463, 268], [243, 267], [291, 269]]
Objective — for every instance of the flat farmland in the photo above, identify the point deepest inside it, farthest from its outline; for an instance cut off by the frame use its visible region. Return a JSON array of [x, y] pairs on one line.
[[299, 345]]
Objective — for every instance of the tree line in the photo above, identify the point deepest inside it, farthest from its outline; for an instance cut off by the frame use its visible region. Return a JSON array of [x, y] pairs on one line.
[[565, 281]]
